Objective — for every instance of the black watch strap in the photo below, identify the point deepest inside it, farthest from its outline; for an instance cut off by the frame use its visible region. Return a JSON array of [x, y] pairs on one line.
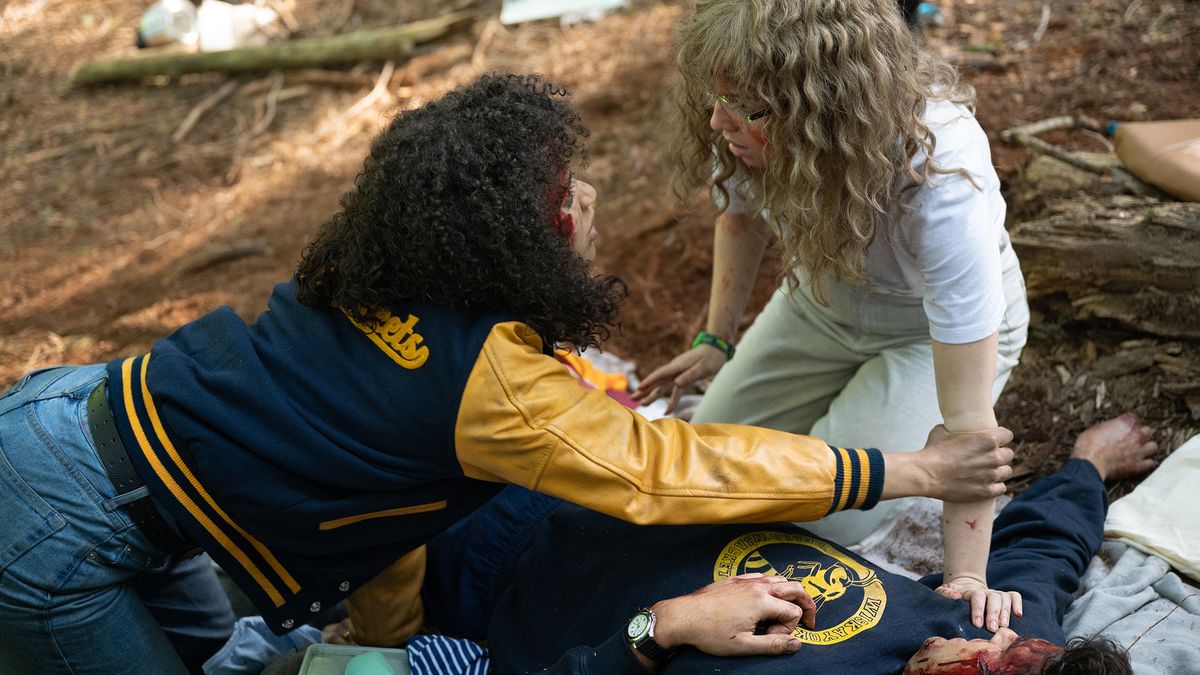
[[650, 649], [644, 642]]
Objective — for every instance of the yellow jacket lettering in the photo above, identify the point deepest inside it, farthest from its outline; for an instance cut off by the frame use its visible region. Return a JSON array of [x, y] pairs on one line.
[[398, 339]]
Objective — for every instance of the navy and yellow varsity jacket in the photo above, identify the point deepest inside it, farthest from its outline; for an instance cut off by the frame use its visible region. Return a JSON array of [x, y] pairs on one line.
[[306, 452]]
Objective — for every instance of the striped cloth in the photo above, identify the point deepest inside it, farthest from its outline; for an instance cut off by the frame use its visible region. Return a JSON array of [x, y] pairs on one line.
[[441, 655]]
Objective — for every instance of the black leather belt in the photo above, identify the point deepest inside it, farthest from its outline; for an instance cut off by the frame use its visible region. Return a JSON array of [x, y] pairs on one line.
[[120, 471]]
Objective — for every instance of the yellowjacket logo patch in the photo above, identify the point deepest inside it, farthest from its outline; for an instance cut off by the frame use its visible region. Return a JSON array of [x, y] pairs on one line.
[[398, 339], [850, 598]]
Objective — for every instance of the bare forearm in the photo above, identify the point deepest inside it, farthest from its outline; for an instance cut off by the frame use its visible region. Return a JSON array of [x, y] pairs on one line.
[[739, 243], [964, 381], [967, 526], [967, 531], [905, 476]]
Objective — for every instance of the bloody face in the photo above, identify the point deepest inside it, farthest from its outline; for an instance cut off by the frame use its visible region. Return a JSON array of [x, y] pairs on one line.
[[746, 140], [1004, 654], [575, 216]]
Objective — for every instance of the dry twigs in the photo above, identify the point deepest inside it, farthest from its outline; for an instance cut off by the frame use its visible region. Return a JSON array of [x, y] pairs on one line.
[[379, 91], [1127, 18], [479, 56], [1025, 135], [265, 115], [285, 15], [207, 103], [265, 120], [322, 78], [1043, 24]]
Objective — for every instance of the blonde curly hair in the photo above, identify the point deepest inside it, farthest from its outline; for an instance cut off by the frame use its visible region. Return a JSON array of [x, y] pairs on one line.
[[846, 82]]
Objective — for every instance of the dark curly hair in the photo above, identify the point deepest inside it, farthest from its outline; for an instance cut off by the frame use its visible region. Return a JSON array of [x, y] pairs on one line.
[[1096, 656], [457, 205]]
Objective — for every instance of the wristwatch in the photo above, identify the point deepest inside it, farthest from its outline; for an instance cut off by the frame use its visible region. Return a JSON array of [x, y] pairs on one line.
[[640, 635]]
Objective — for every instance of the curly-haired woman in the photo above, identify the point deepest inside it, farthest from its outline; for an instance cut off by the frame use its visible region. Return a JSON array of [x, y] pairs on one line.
[[827, 125], [392, 386]]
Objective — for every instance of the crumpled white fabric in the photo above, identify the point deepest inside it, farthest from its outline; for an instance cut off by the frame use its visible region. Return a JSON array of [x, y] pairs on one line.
[[1162, 515], [1135, 600], [252, 646]]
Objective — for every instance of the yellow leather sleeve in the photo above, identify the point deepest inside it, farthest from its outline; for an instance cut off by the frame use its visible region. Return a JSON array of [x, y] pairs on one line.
[[525, 420], [388, 609]]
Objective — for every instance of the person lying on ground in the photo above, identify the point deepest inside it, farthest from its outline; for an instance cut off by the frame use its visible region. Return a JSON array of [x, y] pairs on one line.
[[394, 384], [553, 586]]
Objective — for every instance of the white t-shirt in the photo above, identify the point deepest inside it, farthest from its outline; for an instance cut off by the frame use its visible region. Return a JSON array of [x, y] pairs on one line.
[[945, 247]]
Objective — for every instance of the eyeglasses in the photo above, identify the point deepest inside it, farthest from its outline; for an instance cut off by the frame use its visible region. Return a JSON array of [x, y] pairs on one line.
[[736, 111]]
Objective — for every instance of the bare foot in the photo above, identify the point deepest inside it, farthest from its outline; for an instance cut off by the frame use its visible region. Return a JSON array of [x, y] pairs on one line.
[[1118, 447]]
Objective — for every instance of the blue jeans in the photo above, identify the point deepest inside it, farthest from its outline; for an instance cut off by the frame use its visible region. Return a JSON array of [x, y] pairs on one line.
[[82, 590]]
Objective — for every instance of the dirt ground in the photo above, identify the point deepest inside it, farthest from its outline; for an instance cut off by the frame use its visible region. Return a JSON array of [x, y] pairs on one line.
[[112, 234]]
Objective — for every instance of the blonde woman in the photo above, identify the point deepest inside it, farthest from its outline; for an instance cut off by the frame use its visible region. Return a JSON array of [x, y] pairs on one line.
[[824, 125]]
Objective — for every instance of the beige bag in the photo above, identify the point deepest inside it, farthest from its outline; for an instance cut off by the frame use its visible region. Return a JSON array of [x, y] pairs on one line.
[[1164, 154]]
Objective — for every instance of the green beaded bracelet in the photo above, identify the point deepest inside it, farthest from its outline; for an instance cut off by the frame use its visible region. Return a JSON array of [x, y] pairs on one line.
[[707, 338]]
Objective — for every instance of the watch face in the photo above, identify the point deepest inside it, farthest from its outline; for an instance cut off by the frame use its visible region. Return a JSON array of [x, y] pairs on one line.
[[638, 626]]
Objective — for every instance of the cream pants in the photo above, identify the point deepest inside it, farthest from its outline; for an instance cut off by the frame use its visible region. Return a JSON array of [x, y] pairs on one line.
[[858, 373]]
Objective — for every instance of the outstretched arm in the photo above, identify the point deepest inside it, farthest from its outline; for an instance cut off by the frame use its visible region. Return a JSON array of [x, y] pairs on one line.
[[964, 375], [525, 420]]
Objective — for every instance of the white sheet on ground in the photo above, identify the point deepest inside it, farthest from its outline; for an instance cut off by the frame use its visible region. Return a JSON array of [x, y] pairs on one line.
[[1160, 515]]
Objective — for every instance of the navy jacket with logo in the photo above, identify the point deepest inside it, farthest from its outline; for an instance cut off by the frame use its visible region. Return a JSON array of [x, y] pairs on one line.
[[306, 452]]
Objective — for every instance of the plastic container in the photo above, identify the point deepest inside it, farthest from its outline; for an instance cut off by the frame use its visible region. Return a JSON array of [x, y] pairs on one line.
[[323, 659], [168, 21]]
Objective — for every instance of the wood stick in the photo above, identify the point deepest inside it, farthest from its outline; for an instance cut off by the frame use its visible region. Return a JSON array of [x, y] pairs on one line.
[[338, 123], [1035, 143], [1052, 124], [272, 99], [207, 103], [1043, 24], [213, 257], [1024, 134], [285, 15], [374, 45]]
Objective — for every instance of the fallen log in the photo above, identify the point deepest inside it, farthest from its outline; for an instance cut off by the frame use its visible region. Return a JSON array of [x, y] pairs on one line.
[[382, 44], [1132, 260]]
